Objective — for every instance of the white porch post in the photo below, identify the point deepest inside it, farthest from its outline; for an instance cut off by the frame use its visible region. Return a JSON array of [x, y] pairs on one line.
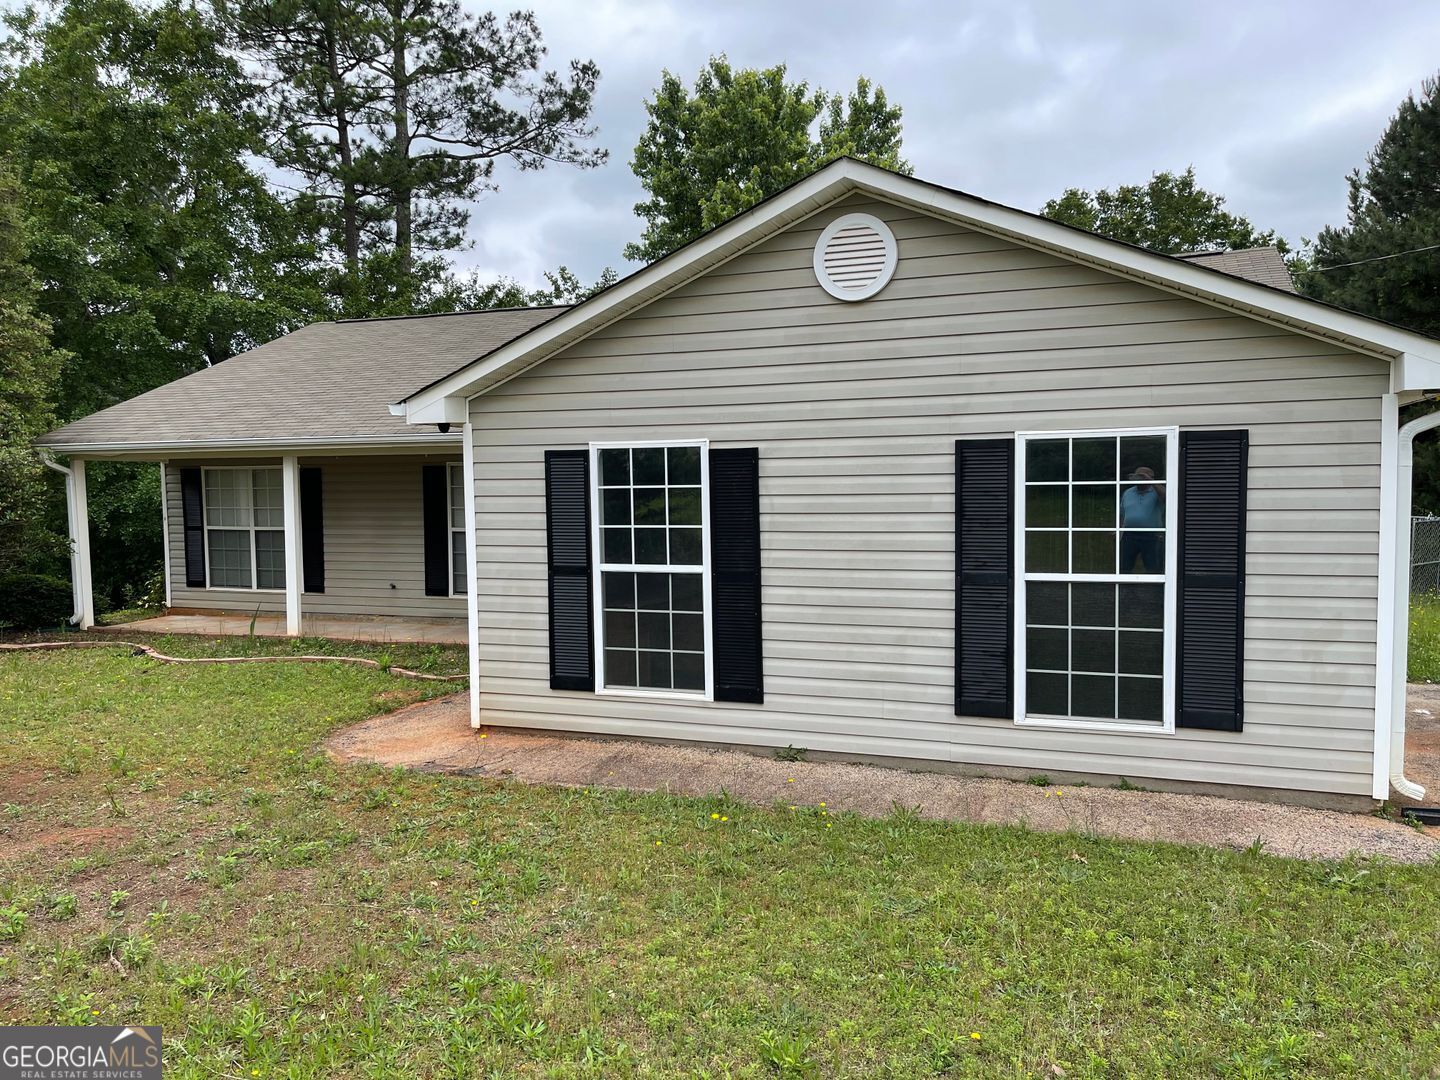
[[472, 601], [293, 583], [80, 539], [165, 526]]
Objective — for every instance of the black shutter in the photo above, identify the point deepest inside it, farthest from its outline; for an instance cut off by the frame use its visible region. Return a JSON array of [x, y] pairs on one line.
[[1211, 649], [312, 531], [192, 505], [735, 575], [567, 528], [435, 491], [984, 577]]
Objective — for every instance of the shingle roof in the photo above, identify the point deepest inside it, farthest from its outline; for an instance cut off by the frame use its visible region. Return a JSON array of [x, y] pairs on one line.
[[1262, 265], [331, 380]]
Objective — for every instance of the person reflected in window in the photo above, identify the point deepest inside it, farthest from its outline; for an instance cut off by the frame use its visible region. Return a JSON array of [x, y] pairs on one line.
[[1142, 506]]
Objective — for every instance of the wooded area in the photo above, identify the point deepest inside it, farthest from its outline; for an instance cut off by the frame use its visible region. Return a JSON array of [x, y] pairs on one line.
[[181, 182]]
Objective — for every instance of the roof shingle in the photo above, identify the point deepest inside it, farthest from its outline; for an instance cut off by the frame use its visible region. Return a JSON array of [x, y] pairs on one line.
[[328, 380], [1262, 265]]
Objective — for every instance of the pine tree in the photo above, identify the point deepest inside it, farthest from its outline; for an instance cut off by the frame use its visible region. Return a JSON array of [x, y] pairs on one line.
[[1385, 260]]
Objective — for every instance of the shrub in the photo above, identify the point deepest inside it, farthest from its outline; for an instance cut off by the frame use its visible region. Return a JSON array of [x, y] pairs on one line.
[[34, 601]]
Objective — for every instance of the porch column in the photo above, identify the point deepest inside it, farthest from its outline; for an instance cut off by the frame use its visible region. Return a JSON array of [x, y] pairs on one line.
[[79, 509], [293, 575]]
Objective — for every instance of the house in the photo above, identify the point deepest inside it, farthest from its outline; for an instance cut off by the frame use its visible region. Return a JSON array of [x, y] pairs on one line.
[[876, 468]]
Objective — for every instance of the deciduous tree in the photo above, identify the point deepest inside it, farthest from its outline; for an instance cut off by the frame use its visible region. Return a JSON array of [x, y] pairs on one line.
[[1171, 214], [738, 136]]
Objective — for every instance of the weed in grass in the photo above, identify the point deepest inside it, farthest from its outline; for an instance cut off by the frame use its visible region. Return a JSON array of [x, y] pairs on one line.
[[12, 923], [788, 1055], [62, 907]]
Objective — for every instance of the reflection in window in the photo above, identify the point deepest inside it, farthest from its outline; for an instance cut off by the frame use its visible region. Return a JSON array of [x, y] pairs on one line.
[[1094, 560]]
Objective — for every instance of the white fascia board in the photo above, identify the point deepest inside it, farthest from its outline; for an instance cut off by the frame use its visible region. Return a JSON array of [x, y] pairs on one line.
[[846, 177], [417, 443], [1414, 371], [440, 410]]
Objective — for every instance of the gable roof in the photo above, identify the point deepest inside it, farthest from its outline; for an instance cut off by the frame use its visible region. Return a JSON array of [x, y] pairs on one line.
[[330, 383], [1416, 357], [1262, 265]]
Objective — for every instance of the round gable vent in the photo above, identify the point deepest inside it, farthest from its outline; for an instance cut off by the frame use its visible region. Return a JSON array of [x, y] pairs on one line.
[[855, 257]]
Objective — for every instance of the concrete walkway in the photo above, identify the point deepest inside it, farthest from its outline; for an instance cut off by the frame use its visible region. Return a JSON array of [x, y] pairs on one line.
[[380, 628], [436, 736]]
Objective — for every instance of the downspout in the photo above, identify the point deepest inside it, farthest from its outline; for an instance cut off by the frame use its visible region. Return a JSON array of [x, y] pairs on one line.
[[49, 460], [1404, 474]]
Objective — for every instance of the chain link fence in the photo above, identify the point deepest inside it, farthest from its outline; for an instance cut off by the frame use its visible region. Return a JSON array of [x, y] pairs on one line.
[[1425, 556]]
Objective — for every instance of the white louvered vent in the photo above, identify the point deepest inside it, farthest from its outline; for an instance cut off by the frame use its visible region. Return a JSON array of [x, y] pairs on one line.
[[855, 257]]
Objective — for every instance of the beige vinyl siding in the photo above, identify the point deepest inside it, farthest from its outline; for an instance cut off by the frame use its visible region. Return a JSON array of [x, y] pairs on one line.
[[855, 409], [374, 544]]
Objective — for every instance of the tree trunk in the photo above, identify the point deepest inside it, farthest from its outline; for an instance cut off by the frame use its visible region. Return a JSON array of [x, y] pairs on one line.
[[400, 151], [349, 202]]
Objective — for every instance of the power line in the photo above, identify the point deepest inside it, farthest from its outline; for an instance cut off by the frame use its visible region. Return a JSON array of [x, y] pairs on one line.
[[1361, 262]]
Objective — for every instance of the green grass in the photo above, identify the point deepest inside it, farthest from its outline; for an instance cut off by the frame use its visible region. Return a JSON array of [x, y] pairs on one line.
[[282, 916], [430, 659], [1424, 656]]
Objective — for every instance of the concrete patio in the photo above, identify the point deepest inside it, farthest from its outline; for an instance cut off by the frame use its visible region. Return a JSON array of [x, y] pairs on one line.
[[337, 627]]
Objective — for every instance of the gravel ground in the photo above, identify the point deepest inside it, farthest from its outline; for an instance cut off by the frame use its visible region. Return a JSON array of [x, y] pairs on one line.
[[436, 736]]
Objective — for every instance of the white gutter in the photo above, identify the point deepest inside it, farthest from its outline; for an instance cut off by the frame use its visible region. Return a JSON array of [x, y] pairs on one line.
[[79, 614], [1401, 600]]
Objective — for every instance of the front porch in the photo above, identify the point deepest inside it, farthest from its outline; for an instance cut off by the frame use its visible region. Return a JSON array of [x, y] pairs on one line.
[[352, 546], [369, 628]]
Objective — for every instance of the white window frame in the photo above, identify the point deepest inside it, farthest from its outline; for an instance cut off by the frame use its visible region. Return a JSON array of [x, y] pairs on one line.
[[600, 568], [451, 468], [254, 554], [1172, 548]]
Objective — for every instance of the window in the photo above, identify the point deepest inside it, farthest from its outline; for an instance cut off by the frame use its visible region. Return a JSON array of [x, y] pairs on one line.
[[653, 582], [458, 562], [1096, 593], [244, 528]]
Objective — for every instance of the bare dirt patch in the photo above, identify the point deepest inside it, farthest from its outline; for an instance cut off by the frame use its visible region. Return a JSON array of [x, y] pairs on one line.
[[1422, 739], [67, 841], [436, 736]]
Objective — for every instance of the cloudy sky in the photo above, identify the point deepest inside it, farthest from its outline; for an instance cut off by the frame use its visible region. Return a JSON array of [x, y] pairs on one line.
[[1273, 102]]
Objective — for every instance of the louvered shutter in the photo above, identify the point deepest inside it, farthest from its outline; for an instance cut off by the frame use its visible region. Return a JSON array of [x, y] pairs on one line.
[[567, 525], [984, 577], [1211, 570], [435, 511], [735, 575], [192, 508], [312, 531]]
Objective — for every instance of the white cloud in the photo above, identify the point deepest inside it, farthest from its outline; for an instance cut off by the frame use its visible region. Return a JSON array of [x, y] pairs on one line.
[[1272, 102]]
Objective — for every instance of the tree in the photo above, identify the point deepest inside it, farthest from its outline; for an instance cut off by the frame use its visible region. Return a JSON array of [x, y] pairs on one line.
[[29, 368], [396, 112], [1384, 261], [473, 294], [311, 53], [1170, 214], [738, 137], [158, 248]]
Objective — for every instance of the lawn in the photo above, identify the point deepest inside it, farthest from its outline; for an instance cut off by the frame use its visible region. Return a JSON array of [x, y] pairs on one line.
[[1424, 657], [281, 916]]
